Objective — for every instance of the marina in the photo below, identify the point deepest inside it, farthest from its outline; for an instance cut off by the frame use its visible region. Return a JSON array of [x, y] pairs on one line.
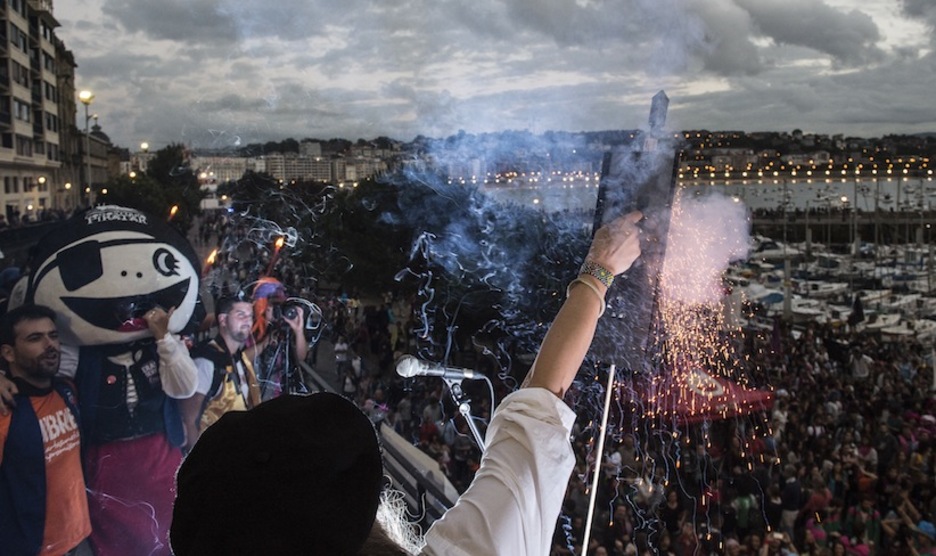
[[813, 249]]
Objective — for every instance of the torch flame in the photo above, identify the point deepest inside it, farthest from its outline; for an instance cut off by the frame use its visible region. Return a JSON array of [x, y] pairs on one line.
[[209, 262]]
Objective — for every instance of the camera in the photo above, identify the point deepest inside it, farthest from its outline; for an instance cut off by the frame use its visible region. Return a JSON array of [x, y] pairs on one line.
[[286, 311], [292, 308], [290, 312]]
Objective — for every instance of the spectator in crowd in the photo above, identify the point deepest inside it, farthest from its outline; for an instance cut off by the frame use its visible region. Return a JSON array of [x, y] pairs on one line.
[[132, 432], [924, 541], [342, 355], [43, 504]]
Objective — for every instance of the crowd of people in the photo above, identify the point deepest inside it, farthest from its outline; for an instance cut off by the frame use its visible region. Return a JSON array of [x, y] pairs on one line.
[[841, 462], [13, 218]]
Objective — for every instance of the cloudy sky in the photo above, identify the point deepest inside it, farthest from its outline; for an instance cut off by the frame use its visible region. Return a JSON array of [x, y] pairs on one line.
[[216, 73]]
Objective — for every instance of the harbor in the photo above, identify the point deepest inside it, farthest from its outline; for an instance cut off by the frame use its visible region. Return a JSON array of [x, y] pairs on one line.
[[813, 251]]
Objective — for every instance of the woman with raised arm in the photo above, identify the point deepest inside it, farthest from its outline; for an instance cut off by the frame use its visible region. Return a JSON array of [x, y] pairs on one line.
[[515, 499]]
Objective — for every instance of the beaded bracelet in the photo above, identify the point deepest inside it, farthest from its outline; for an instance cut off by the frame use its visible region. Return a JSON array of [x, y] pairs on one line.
[[593, 288], [601, 273]]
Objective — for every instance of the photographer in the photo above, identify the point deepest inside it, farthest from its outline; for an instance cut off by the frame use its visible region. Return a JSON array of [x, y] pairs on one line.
[[278, 342]]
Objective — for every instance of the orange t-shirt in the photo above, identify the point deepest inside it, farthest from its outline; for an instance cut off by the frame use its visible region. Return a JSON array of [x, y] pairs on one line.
[[67, 521]]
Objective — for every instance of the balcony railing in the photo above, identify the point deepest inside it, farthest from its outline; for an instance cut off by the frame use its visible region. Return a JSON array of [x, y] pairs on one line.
[[41, 5]]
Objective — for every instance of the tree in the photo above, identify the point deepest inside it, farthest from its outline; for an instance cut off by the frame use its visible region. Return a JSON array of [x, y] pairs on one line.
[[168, 182]]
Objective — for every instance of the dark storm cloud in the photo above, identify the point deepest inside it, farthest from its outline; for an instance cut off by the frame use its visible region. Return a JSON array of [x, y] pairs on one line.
[[848, 37], [236, 71], [885, 99], [923, 10], [175, 20], [728, 38]]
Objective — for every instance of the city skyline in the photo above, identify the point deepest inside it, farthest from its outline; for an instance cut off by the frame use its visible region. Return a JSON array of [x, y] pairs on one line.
[[225, 73]]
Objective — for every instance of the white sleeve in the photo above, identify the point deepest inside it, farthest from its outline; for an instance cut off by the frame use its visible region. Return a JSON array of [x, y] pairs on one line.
[[176, 368], [68, 361], [205, 369], [514, 501]]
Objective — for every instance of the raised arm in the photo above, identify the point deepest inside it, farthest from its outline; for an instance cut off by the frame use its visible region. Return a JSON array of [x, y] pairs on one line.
[[297, 324], [176, 369], [512, 505], [615, 248]]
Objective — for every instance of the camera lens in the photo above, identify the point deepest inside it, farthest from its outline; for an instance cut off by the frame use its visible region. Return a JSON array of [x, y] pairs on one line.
[[290, 312]]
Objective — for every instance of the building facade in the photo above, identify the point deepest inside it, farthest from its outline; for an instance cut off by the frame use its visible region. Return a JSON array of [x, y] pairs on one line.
[[39, 141]]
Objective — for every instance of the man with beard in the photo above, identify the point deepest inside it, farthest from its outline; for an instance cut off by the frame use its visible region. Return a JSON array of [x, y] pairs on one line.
[[226, 378], [43, 505]]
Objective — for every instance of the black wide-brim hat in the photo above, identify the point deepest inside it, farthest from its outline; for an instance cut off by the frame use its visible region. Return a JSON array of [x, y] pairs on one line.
[[295, 475]]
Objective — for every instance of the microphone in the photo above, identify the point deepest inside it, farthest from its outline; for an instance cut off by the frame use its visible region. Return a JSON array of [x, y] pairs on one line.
[[408, 366]]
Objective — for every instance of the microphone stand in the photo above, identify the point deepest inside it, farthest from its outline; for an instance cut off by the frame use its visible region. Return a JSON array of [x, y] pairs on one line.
[[464, 407], [287, 370]]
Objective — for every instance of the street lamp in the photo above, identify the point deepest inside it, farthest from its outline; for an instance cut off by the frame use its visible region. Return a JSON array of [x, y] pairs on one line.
[[86, 97], [144, 159], [40, 185]]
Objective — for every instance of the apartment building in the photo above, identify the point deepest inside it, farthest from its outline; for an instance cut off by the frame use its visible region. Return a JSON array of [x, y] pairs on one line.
[[39, 143]]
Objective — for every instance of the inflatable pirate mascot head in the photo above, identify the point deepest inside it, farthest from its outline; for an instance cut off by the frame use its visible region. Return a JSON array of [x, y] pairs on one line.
[[104, 268]]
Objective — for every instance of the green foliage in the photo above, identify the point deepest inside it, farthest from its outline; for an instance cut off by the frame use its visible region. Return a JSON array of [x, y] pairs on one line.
[[375, 249], [168, 182], [483, 267], [251, 191]]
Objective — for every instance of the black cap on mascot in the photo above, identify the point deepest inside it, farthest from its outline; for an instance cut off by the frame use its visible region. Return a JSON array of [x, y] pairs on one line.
[[102, 269]]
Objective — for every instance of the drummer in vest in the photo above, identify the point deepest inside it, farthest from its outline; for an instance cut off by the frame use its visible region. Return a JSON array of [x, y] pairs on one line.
[[226, 379]]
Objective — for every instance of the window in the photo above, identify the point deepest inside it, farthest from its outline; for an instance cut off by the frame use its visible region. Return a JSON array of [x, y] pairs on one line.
[[24, 146], [51, 93], [10, 185], [20, 74], [48, 62], [18, 38], [51, 122], [19, 6], [21, 110]]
